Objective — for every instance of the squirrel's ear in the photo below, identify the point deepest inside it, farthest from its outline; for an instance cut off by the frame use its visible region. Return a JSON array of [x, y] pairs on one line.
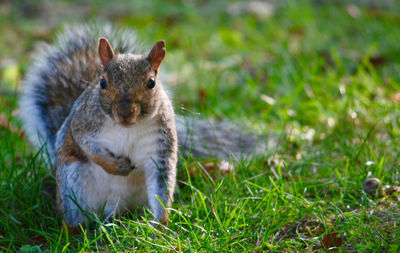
[[106, 52], [157, 54]]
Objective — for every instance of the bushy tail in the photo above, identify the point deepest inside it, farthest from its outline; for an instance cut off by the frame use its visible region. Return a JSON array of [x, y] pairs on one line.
[[210, 139], [60, 73]]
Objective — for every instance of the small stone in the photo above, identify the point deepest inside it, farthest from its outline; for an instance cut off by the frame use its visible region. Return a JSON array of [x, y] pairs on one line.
[[371, 185]]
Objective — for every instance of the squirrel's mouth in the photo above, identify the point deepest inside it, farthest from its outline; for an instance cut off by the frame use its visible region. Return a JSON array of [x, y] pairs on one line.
[[126, 118], [127, 123]]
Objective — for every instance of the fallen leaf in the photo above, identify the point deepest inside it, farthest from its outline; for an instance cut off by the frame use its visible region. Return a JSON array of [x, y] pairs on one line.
[[331, 239], [202, 94], [396, 97], [221, 167], [209, 167], [6, 124], [377, 60], [275, 162], [37, 240]]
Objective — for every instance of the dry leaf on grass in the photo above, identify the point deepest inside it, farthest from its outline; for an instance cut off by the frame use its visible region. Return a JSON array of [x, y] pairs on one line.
[[5, 123], [377, 60], [274, 163], [221, 167], [331, 239], [37, 240], [396, 97]]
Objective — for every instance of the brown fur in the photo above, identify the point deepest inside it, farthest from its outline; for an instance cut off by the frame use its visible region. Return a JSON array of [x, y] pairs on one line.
[[113, 166], [126, 97], [70, 152], [79, 121]]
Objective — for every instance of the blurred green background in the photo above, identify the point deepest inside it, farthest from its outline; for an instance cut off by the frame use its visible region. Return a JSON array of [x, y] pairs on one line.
[[322, 74], [279, 59]]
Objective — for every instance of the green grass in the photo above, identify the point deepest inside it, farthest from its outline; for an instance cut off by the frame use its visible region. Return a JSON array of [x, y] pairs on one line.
[[334, 83]]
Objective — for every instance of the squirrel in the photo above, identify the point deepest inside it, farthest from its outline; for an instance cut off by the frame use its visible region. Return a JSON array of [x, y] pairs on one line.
[[99, 108]]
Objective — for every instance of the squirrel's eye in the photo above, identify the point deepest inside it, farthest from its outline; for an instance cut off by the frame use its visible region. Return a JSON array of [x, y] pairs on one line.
[[103, 83], [151, 83]]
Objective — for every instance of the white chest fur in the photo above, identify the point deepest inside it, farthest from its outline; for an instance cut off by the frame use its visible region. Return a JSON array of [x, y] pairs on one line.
[[139, 143]]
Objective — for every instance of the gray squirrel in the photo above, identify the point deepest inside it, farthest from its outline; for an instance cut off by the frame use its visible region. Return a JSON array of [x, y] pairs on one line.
[[97, 104]]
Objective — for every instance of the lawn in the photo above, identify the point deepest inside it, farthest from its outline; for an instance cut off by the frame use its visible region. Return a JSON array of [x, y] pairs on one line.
[[322, 77]]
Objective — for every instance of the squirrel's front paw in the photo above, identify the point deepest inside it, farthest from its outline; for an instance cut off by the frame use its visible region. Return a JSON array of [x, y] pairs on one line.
[[122, 163]]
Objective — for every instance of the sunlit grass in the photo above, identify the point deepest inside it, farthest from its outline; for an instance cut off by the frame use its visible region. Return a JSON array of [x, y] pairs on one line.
[[325, 81]]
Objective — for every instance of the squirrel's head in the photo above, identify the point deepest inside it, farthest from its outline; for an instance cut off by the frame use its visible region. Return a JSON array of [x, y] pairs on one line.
[[129, 85]]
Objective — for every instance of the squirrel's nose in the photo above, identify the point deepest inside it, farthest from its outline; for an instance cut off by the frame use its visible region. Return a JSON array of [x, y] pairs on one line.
[[125, 102], [125, 115], [127, 109]]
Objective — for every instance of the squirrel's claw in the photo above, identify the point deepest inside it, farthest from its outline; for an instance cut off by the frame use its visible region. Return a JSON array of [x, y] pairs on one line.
[[122, 163]]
